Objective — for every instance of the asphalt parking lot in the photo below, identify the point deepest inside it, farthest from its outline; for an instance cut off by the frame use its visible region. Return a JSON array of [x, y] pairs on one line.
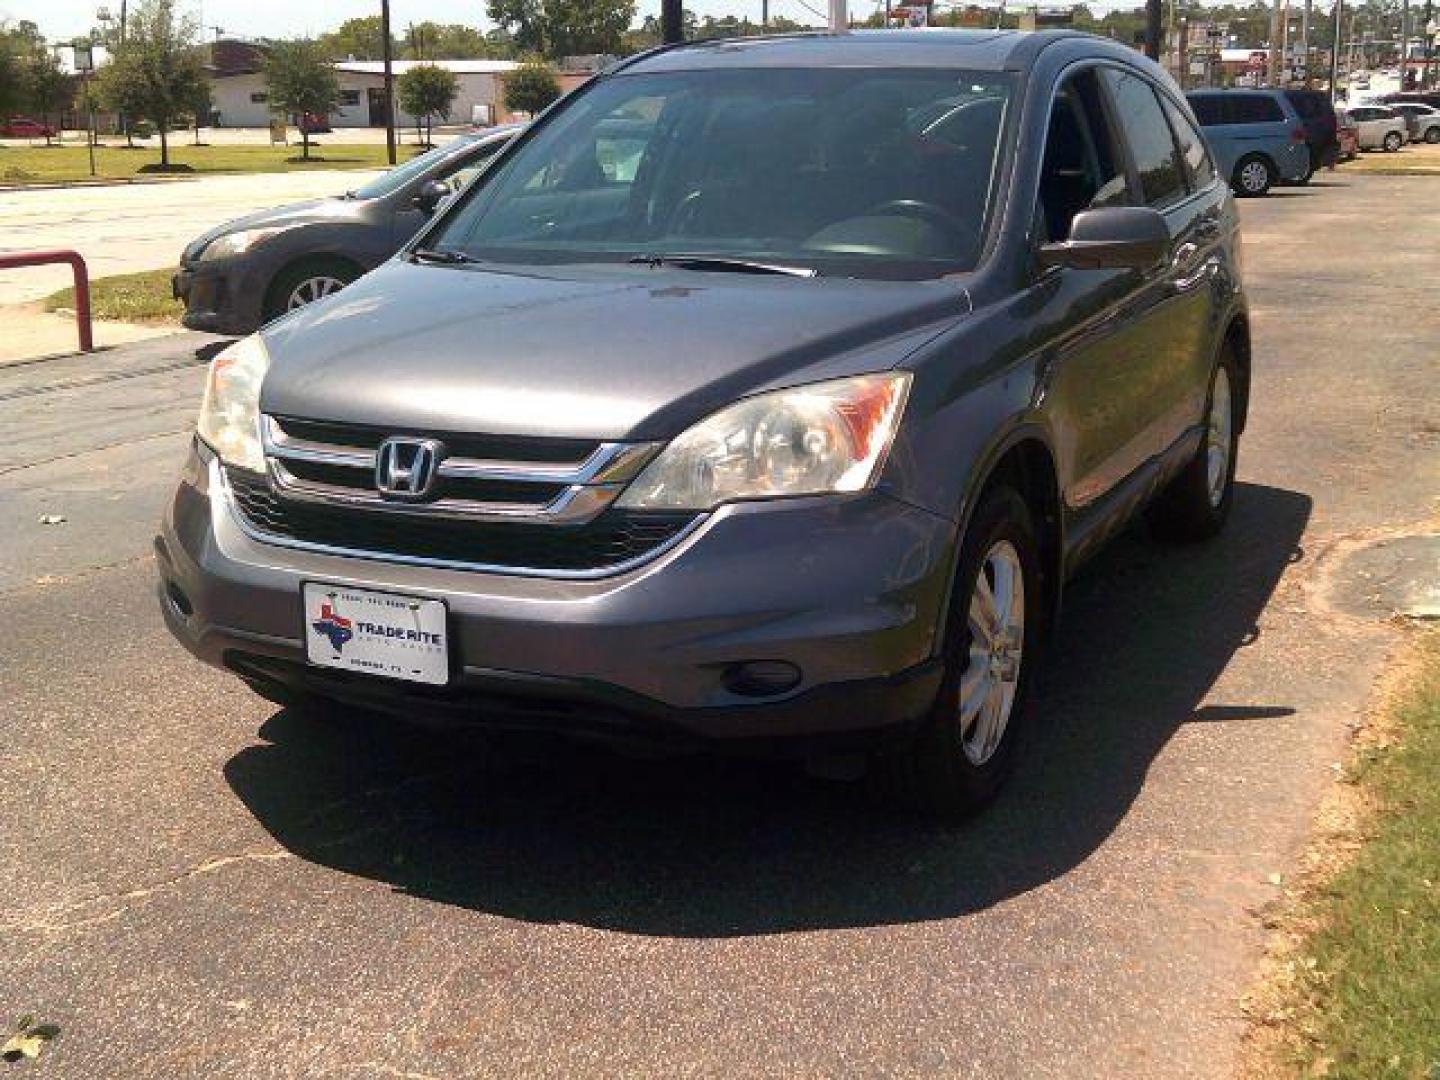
[[199, 883]]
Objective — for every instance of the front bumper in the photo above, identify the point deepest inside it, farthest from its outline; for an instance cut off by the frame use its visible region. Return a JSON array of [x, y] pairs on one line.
[[225, 297], [849, 591]]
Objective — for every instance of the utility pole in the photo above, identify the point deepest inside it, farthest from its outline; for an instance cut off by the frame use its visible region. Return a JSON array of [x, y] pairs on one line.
[[1182, 54], [1273, 73], [1154, 16], [1305, 39], [765, 14], [839, 17], [672, 23], [1404, 43], [389, 80], [1335, 47], [1429, 46]]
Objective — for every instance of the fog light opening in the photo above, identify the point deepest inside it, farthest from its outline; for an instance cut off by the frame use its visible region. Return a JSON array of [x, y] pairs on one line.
[[761, 678]]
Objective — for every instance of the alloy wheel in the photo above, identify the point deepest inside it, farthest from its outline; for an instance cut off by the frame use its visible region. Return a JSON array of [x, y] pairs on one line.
[[312, 289], [1217, 438], [1254, 177], [996, 618]]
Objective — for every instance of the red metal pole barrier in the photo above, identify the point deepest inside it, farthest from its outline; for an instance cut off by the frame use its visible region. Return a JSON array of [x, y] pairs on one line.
[[82, 283]]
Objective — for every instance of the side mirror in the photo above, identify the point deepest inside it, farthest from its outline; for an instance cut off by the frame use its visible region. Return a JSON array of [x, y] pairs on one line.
[[1117, 237], [432, 194]]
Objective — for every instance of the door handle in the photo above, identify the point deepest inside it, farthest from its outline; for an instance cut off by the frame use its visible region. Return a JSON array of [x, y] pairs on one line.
[[1183, 282], [1183, 254]]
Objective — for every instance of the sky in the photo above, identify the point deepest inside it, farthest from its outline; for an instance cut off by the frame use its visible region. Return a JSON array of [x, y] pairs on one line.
[[60, 20]]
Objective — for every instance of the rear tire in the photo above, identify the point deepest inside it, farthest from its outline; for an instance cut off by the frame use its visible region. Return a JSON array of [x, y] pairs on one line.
[[1254, 176], [1432, 135], [1393, 141], [1197, 502], [964, 751]]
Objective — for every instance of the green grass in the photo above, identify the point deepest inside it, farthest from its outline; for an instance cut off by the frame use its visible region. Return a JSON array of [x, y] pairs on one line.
[[135, 298], [1375, 987], [48, 165], [1416, 159]]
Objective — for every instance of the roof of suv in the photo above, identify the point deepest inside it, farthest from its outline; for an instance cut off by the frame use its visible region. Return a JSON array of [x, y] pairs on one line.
[[976, 50]]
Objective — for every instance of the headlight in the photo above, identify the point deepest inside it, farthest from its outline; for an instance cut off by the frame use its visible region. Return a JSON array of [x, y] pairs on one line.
[[230, 414], [826, 437], [235, 243]]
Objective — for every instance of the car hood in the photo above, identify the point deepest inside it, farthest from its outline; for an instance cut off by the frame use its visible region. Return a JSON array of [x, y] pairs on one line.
[[605, 353], [298, 213]]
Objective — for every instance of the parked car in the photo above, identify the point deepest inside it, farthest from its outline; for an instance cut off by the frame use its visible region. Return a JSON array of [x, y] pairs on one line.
[[256, 268], [1317, 116], [313, 123], [1422, 97], [1379, 127], [786, 436], [1347, 135], [1422, 123], [1258, 137], [22, 127]]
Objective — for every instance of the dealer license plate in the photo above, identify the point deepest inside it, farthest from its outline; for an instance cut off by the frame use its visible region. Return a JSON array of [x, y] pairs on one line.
[[399, 637]]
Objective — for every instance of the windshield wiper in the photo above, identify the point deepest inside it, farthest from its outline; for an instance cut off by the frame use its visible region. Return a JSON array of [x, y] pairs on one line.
[[723, 265], [447, 257]]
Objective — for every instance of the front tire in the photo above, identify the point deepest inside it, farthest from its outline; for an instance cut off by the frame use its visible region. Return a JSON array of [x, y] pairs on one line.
[[964, 751], [305, 282], [1197, 502], [1253, 177], [1432, 135], [1393, 141]]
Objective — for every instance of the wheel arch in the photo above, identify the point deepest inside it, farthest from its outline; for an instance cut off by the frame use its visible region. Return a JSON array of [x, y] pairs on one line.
[[1024, 460], [1237, 338]]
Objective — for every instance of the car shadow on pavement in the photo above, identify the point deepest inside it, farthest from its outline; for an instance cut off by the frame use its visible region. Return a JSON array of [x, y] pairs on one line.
[[706, 846]]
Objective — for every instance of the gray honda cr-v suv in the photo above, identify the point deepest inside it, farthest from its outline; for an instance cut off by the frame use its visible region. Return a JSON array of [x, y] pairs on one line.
[[765, 392]]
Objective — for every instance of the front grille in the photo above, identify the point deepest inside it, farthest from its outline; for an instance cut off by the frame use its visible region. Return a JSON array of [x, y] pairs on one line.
[[613, 538], [532, 449], [362, 481], [484, 478]]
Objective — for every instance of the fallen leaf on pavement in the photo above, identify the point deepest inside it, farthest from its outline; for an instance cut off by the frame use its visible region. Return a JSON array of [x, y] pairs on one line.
[[27, 1039]]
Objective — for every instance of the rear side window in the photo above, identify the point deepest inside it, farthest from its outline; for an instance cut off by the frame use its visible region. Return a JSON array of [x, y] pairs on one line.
[[1192, 148], [1209, 109], [1146, 131], [1253, 109]]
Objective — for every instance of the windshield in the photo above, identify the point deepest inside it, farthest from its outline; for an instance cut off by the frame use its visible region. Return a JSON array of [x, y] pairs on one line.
[[389, 182], [856, 172]]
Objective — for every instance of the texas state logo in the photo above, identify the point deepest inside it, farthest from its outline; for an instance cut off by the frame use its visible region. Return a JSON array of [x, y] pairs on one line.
[[333, 626]]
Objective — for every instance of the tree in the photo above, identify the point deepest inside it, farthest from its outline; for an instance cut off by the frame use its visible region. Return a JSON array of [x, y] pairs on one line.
[[301, 80], [357, 39], [11, 66], [451, 41], [427, 91], [155, 75], [557, 28], [531, 87], [47, 89]]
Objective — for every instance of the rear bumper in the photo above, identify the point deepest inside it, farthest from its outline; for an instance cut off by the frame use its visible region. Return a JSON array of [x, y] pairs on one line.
[[849, 592], [225, 298]]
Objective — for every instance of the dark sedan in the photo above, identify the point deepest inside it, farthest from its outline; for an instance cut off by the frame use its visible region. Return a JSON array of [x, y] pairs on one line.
[[248, 271]]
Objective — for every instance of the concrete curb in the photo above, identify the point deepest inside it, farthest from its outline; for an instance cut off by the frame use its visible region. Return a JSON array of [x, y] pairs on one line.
[[57, 185]]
